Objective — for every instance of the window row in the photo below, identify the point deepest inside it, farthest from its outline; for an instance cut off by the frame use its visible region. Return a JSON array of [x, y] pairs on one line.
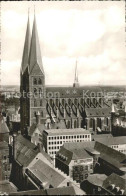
[[37, 81], [69, 137], [53, 153], [54, 148]]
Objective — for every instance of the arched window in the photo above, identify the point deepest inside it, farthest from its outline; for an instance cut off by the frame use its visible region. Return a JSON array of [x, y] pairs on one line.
[[35, 103], [94, 101], [63, 102], [57, 102], [35, 114], [88, 101], [39, 81], [69, 101], [42, 113], [75, 124], [35, 91], [40, 92], [51, 102], [75, 101], [81, 101], [68, 124], [91, 123], [34, 81], [99, 122], [40, 102]]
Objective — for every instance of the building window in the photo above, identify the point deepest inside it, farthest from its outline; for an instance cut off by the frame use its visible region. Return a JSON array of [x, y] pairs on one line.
[[42, 113], [39, 81], [34, 81], [40, 102], [35, 114], [35, 103], [40, 91], [35, 91]]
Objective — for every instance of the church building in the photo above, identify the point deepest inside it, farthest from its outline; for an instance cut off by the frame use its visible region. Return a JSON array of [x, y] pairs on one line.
[[46, 105]]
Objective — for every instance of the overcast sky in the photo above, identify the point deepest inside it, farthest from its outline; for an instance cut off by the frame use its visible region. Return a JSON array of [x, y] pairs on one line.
[[92, 31]]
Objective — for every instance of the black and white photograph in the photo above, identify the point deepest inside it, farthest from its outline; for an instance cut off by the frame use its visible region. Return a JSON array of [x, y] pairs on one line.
[[63, 98]]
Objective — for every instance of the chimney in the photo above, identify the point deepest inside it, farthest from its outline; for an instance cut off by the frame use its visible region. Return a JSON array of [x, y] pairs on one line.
[[14, 146], [38, 117]]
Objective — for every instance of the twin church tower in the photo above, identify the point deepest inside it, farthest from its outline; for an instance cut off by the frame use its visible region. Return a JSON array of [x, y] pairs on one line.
[[32, 80]]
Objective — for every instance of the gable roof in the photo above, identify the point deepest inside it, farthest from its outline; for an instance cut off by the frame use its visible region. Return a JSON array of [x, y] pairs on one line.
[[110, 155], [112, 140], [26, 151], [46, 173], [73, 154], [117, 180]]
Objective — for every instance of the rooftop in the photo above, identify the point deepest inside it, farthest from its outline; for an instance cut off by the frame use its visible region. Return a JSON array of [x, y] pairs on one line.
[[96, 179], [72, 154], [66, 131], [45, 173], [117, 181], [26, 151], [112, 140]]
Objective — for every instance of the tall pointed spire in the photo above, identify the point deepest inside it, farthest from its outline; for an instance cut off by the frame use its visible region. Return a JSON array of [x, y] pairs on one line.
[[25, 56], [76, 82], [35, 52]]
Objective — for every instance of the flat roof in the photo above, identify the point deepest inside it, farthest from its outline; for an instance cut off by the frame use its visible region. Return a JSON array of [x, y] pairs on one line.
[[76, 131]]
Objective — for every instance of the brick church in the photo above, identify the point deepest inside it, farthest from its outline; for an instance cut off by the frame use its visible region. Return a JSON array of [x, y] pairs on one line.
[[48, 105]]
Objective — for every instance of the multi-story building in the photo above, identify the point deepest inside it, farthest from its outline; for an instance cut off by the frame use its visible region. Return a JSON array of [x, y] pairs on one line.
[[76, 163], [53, 139], [5, 163], [118, 143]]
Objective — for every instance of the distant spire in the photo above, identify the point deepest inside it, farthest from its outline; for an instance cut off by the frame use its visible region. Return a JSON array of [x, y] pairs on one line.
[[35, 52], [76, 82], [26, 47]]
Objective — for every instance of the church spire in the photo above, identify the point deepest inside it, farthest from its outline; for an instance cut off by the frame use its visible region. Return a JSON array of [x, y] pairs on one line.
[[76, 82], [25, 56], [35, 52]]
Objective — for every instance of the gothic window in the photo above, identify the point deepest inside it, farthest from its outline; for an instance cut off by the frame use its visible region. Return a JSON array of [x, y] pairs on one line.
[[40, 91], [34, 81], [69, 101], [99, 122], [40, 102], [35, 103], [35, 91], [35, 114], [88, 101], [42, 113], [75, 101], [81, 101], [63, 102], [75, 124], [68, 124], [39, 81], [94, 101], [57, 102], [91, 123], [51, 102]]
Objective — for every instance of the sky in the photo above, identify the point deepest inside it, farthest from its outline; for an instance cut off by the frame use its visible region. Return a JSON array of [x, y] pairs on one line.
[[91, 32]]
